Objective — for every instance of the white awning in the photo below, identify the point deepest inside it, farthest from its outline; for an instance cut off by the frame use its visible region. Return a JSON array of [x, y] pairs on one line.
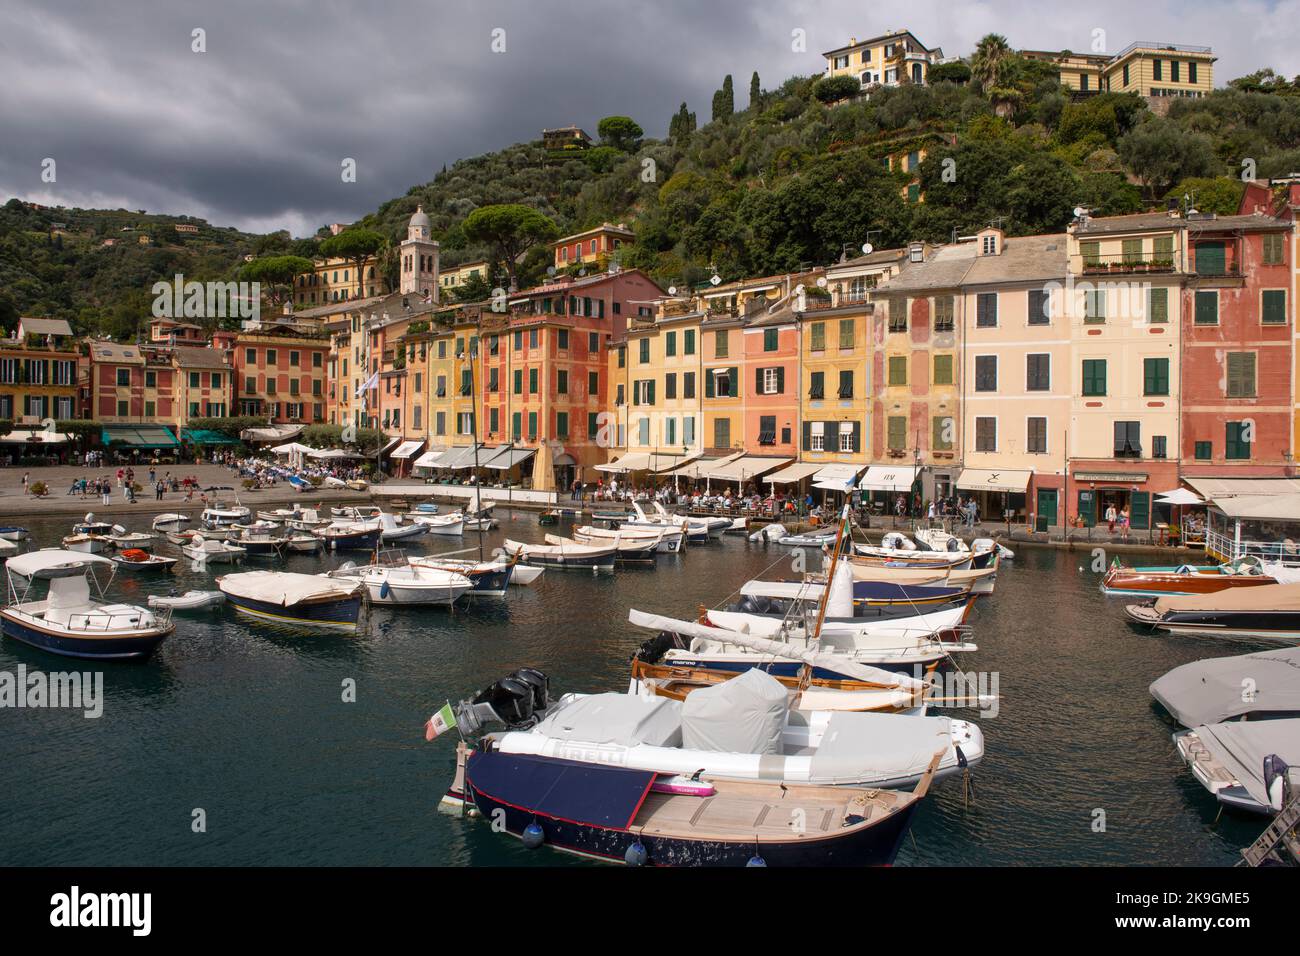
[[700, 468], [666, 464], [1230, 487], [407, 448], [837, 477], [458, 459], [888, 478], [632, 461], [430, 458], [506, 457], [390, 443], [990, 479], [1261, 507], [746, 468], [794, 474], [292, 447], [272, 433], [1179, 496], [34, 438]]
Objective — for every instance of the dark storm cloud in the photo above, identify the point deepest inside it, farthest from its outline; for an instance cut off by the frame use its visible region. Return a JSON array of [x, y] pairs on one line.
[[253, 131]]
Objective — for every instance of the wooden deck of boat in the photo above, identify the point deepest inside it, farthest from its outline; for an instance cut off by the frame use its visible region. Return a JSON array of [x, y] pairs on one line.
[[763, 811]]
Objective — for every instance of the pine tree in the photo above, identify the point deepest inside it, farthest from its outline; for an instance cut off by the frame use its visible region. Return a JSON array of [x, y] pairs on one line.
[[754, 90]]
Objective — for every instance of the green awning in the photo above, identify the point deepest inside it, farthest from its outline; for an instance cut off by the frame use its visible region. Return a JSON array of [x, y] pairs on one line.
[[138, 436], [205, 436]]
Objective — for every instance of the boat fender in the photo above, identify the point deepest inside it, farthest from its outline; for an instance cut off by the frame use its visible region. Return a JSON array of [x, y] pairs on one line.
[[635, 855], [533, 836], [756, 860], [1275, 769], [385, 590], [961, 757]]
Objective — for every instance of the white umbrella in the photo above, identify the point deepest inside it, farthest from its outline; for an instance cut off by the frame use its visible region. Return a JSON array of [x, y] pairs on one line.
[[1179, 496]]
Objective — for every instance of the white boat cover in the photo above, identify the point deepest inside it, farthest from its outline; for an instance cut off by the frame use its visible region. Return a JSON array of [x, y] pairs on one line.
[[1241, 746], [744, 715], [622, 720], [892, 743], [1211, 691], [1271, 597], [783, 590], [34, 563], [888, 478], [284, 588]]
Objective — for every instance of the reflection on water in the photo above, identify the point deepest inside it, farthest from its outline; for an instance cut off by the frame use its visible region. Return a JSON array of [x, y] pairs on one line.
[[250, 723]]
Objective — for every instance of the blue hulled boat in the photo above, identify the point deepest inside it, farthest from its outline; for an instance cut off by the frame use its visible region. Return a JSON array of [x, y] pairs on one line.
[[282, 597]]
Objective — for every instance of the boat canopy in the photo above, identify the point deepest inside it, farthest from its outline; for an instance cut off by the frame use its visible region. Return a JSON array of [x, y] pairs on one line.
[[992, 479], [1240, 746], [623, 720], [584, 793], [744, 715], [888, 478], [34, 563], [1270, 597], [1210, 691], [284, 588]]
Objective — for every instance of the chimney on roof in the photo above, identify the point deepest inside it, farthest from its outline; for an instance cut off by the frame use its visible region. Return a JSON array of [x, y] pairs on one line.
[[853, 41]]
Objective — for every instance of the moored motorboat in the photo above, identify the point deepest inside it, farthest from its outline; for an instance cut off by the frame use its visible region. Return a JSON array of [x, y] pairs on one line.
[[260, 542], [407, 584], [14, 533], [283, 597], [209, 551], [221, 515], [121, 538], [391, 530], [69, 621], [1260, 686], [665, 540], [189, 601], [565, 556], [626, 550], [87, 543], [1186, 579], [304, 542], [89, 525], [170, 522], [490, 578], [356, 536], [1270, 612], [451, 525], [1242, 762], [137, 559]]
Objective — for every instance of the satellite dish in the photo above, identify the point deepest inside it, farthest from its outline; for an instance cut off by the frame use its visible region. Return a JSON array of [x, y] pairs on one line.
[[798, 290], [1078, 212], [866, 248], [550, 270], [672, 290], [821, 282], [716, 279]]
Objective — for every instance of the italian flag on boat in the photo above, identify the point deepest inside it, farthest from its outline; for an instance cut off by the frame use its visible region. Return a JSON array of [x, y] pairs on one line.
[[441, 722]]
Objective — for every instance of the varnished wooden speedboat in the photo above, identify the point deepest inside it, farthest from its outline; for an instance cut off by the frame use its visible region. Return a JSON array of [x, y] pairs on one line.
[[1192, 579]]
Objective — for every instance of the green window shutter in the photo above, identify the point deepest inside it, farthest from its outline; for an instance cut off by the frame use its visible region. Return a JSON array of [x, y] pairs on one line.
[[846, 334], [1158, 304], [650, 392], [1094, 376], [532, 381], [1163, 250], [561, 424], [898, 370], [818, 336], [1155, 376], [1273, 250], [897, 432], [1091, 253], [688, 342], [515, 425], [1241, 374], [817, 385], [1273, 304], [532, 424], [1207, 308], [943, 370], [1132, 250], [938, 441], [708, 383], [1211, 259], [1140, 510], [670, 344], [645, 351], [1236, 447], [592, 427], [720, 344], [1204, 450], [771, 340]]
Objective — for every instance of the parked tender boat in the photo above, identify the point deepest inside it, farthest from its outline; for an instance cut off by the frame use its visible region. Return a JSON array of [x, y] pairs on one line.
[[137, 559], [1270, 612], [1242, 762], [260, 542], [391, 530], [189, 601], [87, 543], [1189, 579], [631, 550], [212, 552], [979, 580], [1213, 691], [304, 542], [450, 525], [89, 525], [407, 584], [742, 729], [14, 533], [357, 512], [664, 540], [359, 536], [223, 515], [565, 555], [68, 621], [300, 599], [121, 538], [640, 817]]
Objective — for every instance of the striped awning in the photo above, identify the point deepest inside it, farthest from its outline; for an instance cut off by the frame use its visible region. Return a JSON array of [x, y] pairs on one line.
[[138, 436]]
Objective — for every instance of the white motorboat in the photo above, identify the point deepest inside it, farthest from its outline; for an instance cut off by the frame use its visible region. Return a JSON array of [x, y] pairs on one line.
[[742, 729], [526, 575], [306, 519], [189, 601], [938, 538], [665, 540], [87, 543], [450, 525], [8, 549], [89, 525], [357, 512], [716, 526], [564, 555], [391, 530], [221, 515], [490, 578], [14, 533], [738, 526], [137, 559], [407, 584], [304, 542], [209, 551], [69, 621], [121, 538], [171, 522], [627, 549]]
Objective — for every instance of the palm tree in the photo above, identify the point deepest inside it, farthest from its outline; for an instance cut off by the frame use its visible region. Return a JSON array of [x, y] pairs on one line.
[[989, 62]]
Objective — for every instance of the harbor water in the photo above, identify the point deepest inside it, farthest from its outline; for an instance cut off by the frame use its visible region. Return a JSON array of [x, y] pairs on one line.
[[239, 744]]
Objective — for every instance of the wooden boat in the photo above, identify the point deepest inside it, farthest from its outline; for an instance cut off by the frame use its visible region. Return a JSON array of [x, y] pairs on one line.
[[490, 578], [351, 537], [548, 518], [69, 621], [619, 815], [283, 597], [979, 580], [806, 693], [564, 556], [304, 542], [170, 522], [665, 540], [625, 550], [87, 543], [1192, 579], [121, 538], [137, 559], [449, 525], [1270, 612]]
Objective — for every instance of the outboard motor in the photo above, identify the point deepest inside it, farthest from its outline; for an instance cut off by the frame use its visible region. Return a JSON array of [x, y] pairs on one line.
[[539, 682], [653, 650], [954, 545], [1275, 780], [510, 699]]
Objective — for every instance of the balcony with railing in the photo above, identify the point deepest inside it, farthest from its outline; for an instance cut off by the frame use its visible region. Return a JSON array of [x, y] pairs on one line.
[[1128, 264]]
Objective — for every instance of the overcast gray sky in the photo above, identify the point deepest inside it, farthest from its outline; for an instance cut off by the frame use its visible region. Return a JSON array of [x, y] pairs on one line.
[[252, 132]]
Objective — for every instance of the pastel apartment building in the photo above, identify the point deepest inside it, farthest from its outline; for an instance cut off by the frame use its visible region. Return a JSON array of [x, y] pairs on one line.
[[278, 369], [1149, 68], [38, 372], [592, 249]]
